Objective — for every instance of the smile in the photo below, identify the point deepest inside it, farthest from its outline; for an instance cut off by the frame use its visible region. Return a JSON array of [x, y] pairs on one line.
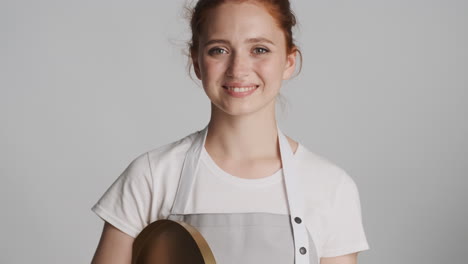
[[237, 91], [240, 89]]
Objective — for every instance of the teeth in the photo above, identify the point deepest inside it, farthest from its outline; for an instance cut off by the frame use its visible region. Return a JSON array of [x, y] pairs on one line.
[[241, 89]]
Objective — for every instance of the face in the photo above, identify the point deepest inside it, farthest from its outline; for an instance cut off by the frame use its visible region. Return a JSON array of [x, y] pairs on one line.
[[242, 58]]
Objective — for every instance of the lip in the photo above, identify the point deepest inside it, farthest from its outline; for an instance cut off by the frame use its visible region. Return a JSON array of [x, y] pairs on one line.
[[239, 85]]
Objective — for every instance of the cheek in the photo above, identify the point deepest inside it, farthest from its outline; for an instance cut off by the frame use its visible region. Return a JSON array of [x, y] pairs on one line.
[[212, 68], [270, 69]]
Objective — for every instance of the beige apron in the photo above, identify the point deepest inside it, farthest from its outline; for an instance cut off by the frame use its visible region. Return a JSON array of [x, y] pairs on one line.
[[249, 237]]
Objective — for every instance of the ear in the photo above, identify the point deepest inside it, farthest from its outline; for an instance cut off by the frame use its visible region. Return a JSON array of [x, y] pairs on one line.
[[290, 65], [196, 65]]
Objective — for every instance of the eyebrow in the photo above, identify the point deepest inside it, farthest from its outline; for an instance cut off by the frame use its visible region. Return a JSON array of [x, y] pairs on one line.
[[250, 40]]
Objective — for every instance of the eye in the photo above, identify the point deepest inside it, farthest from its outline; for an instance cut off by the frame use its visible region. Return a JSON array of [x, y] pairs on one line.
[[260, 50], [216, 51]]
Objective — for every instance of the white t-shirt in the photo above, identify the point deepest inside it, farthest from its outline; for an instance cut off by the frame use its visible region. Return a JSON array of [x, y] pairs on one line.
[[146, 189]]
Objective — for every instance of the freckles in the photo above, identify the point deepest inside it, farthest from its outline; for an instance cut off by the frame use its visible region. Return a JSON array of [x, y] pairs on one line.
[[266, 66], [209, 66], [213, 64], [263, 62]]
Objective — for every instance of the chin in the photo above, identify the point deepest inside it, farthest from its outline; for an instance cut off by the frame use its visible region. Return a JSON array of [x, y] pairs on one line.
[[237, 112], [241, 110]]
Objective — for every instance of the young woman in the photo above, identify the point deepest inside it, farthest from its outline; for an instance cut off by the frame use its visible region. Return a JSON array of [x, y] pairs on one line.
[[257, 195]]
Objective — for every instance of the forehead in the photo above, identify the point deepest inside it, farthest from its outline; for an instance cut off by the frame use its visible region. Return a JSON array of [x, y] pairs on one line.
[[238, 21]]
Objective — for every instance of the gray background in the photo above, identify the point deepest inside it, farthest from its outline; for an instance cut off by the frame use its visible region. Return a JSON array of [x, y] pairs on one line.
[[86, 86]]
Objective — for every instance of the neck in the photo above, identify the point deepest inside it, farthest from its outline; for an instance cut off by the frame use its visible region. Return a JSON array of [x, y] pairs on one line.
[[243, 137]]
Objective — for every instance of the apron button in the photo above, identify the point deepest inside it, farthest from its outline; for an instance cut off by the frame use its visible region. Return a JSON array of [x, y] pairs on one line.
[[298, 220], [303, 250]]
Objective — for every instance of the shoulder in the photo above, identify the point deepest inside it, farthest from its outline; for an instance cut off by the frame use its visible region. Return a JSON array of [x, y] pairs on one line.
[[172, 150], [320, 177], [317, 166], [167, 155]]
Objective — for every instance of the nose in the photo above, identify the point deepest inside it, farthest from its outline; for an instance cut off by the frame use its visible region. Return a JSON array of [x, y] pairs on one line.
[[238, 67]]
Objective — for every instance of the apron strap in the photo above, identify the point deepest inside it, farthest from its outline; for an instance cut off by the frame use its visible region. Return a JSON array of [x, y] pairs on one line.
[[293, 194], [189, 172], [295, 201]]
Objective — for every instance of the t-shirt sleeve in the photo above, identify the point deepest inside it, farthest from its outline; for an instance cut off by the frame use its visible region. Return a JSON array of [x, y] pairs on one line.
[[345, 229], [127, 202]]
